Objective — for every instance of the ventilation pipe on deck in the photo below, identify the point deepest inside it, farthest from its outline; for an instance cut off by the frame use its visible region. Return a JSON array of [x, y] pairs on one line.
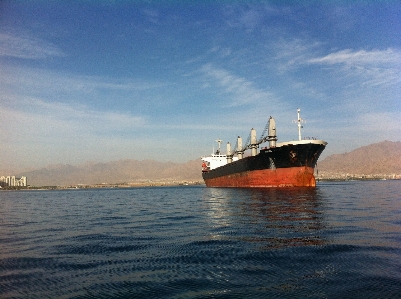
[[229, 156], [272, 137], [240, 150], [253, 142]]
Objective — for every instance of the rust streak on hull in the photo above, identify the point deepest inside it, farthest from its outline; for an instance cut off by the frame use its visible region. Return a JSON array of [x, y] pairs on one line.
[[281, 177]]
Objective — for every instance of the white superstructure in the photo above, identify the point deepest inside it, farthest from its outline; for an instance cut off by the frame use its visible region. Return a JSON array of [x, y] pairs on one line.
[[217, 159]]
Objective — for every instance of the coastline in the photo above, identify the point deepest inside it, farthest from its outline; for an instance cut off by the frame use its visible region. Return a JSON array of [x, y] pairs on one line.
[[176, 184]]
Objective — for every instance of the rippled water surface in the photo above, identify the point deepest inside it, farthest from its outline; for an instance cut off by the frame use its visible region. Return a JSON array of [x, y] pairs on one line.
[[340, 240]]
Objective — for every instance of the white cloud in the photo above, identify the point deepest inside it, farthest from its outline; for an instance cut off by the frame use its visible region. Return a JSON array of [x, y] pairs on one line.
[[362, 57], [293, 53], [373, 68], [249, 17], [52, 131], [240, 90], [33, 80], [44, 121], [27, 47]]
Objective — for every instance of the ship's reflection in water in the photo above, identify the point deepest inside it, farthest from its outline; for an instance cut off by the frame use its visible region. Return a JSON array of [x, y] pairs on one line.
[[270, 218]]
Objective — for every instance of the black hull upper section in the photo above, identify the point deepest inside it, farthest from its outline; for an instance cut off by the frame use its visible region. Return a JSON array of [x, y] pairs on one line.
[[284, 156]]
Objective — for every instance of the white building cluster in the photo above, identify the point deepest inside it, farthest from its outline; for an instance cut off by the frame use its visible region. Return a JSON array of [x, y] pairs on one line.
[[12, 181]]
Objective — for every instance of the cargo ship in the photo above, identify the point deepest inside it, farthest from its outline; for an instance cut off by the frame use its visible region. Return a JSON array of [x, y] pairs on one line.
[[280, 164]]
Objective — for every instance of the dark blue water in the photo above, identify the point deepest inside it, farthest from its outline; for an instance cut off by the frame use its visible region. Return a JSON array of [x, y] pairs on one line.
[[340, 240]]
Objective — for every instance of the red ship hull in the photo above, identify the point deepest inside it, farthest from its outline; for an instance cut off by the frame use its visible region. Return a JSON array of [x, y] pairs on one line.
[[301, 176]]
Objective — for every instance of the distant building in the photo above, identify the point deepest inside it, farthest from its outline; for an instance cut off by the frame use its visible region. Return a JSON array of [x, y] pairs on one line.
[[12, 181]]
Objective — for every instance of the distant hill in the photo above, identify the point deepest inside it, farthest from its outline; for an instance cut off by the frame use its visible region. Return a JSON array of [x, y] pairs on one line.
[[378, 158], [113, 172]]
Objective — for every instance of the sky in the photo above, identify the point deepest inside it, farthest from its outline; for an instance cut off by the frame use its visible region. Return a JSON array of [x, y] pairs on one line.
[[109, 80]]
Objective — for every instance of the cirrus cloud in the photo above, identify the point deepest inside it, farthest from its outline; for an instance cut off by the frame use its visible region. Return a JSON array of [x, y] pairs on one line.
[[27, 47], [347, 56]]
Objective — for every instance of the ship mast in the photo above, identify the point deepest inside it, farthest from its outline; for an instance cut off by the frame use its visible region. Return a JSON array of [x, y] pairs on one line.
[[219, 141], [299, 121]]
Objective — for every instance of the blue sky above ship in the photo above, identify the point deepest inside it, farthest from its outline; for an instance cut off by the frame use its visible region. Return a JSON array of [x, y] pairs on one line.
[[109, 80]]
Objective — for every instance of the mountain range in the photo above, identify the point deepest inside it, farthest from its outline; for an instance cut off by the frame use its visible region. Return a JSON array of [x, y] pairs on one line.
[[378, 158], [115, 172]]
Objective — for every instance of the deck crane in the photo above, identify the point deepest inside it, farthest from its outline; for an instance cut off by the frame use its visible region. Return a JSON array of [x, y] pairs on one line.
[[252, 143]]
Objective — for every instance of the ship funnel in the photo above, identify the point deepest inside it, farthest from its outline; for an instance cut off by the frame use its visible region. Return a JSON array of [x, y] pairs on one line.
[[272, 137], [240, 151], [229, 156], [253, 142]]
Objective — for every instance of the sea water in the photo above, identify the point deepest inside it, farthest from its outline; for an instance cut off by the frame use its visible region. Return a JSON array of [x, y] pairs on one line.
[[339, 240]]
